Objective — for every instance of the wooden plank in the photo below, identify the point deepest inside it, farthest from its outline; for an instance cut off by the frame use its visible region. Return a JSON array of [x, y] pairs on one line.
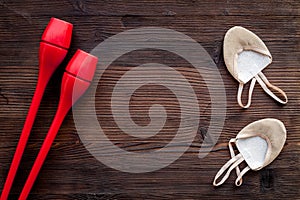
[[29, 8], [277, 31]]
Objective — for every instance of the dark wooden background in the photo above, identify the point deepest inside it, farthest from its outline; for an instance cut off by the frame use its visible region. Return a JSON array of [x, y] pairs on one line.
[[70, 172]]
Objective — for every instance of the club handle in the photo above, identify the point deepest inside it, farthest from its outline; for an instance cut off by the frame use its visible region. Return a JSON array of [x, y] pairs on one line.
[[58, 119], [71, 90]]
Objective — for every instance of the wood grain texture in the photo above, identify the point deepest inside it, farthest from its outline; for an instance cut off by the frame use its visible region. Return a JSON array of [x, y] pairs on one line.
[[71, 172]]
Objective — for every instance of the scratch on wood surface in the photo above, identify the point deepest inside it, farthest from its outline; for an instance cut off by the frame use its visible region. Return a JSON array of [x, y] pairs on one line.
[[24, 15], [2, 95], [266, 180], [79, 5]]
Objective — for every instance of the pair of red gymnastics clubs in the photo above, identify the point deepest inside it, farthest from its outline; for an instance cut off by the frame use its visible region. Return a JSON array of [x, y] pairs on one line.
[[79, 73]]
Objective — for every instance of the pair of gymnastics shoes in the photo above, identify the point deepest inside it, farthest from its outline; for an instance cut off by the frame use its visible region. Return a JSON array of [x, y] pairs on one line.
[[260, 142]]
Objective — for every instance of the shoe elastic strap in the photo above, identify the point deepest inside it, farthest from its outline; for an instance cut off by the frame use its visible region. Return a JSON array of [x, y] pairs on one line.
[[232, 154], [265, 84], [238, 181], [229, 166], [240, 91]]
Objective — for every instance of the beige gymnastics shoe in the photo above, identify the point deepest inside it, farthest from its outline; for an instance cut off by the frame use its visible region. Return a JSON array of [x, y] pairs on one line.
[[245, 56], [259, 143]]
